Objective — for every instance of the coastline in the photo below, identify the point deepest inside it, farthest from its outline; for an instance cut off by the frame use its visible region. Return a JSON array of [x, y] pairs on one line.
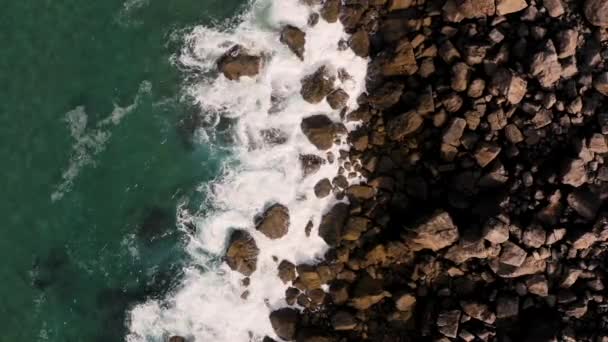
[[468, 204]]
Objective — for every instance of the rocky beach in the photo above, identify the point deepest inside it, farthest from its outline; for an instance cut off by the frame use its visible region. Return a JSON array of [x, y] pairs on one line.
[[467, 196]]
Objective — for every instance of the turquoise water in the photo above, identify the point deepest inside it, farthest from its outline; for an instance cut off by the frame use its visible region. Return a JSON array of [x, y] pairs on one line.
[[79, 249]]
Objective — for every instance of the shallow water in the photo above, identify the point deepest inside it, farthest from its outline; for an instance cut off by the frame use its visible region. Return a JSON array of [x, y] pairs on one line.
[[93, 164]]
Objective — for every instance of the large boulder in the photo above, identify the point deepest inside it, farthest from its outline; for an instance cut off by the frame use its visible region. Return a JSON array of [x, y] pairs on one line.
[[242, 252], [317, 85], [401, 61], [434, 233], [332, 224], [596, 11], [319, 130], [284, 322], [295, 39], [274, 223], [237, 62]]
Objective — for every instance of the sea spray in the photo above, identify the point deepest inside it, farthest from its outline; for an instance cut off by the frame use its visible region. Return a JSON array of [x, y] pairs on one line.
[[208, 304]]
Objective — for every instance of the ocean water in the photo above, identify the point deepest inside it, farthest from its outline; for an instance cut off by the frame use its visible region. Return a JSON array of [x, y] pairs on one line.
[[207, 304], [94, 166]]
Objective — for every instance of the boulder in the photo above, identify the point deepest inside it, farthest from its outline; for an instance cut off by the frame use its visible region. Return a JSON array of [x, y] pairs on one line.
[[512, 87], [528, 267], [566, 42], [332, 224], [448, 322], [584, 202], [574, 173], [504, 7], [478, 311], [512, 254], [386, 96], [401, 61], [317, 85], [343, 320], [596, 11], [465, 250], [359, 43], [538, 285], [322, 188], [486, 153], [495, 231], [242, 253], [177, 339], [319, 130], [600, 83], [367, 292], [354, 227], [405, 302], [310, 164], [237, 63], [337, 99], [284, 322], [434, 233], [457, 10], [274, 223], [555, 8], [331, 10], [295, 39], [507, 306], [404, 125], [545, 65], [287, 271], [360, 192]]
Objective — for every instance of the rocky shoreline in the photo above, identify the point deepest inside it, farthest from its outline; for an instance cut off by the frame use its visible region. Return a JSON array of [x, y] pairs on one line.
[[482, 140]]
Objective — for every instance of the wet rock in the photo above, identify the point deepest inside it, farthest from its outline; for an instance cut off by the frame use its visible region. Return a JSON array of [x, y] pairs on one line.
[[401, 61], [287, 271], [308, 277], [507, 84], [316, 86], [538, 285], [242, 253], [343, 320], [295, 39], [177, 339], [310, 164], [448, 322], [354, 227], [322, 188], [337, 99], [435, 233], [478, 311], [359, 43], [332, 224], [350, 15], [237, 63], [320, 131], [360, 192], [274, 223], [330, 10], [486, 153], [396, 5], [596, 11], [386, 96], [504, 7], [367, 292], [284, 322], [574, 173], [404, 125]]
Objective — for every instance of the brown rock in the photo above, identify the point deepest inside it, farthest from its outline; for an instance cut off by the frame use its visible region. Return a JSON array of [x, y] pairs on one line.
[[323, 188], [460, 76], [597, 144], [332, 224], [310, 163], [317, 85], [570, 277], [534, 237], [513, 134], [495, 231], [507, 84], [478, 311], [360, 192], [486, 153], [287, 271], [584, 202], [555, 8], [545, 65], [402, 61], [404, 125], [308, 277], [584, 241], [435, 233], [284, 322], [295, 39], [504, 7], [337, 99], [405, 302], [465, 250], [359, 43], [396, 5], [274, 223], [497, 120], [237, 62], [507, 306], [343, 320], [600, 83], [367, 292], [350, 15], [448, 322], [528, 267], [574, 173], [354, 227], [596, 11], [177, 339], [454, 131], [511, 254], [476, 88], [386, 96], [319, 130], [330, 10], [538, 285], [457, 10], [242, 253], [566, 41]]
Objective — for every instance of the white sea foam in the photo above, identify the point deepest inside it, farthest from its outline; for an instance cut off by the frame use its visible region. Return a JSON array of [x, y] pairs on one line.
[[90, 141], [208, 305]]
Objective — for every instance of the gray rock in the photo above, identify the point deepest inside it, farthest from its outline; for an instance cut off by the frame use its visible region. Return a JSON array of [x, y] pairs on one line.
[[322, 188]]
